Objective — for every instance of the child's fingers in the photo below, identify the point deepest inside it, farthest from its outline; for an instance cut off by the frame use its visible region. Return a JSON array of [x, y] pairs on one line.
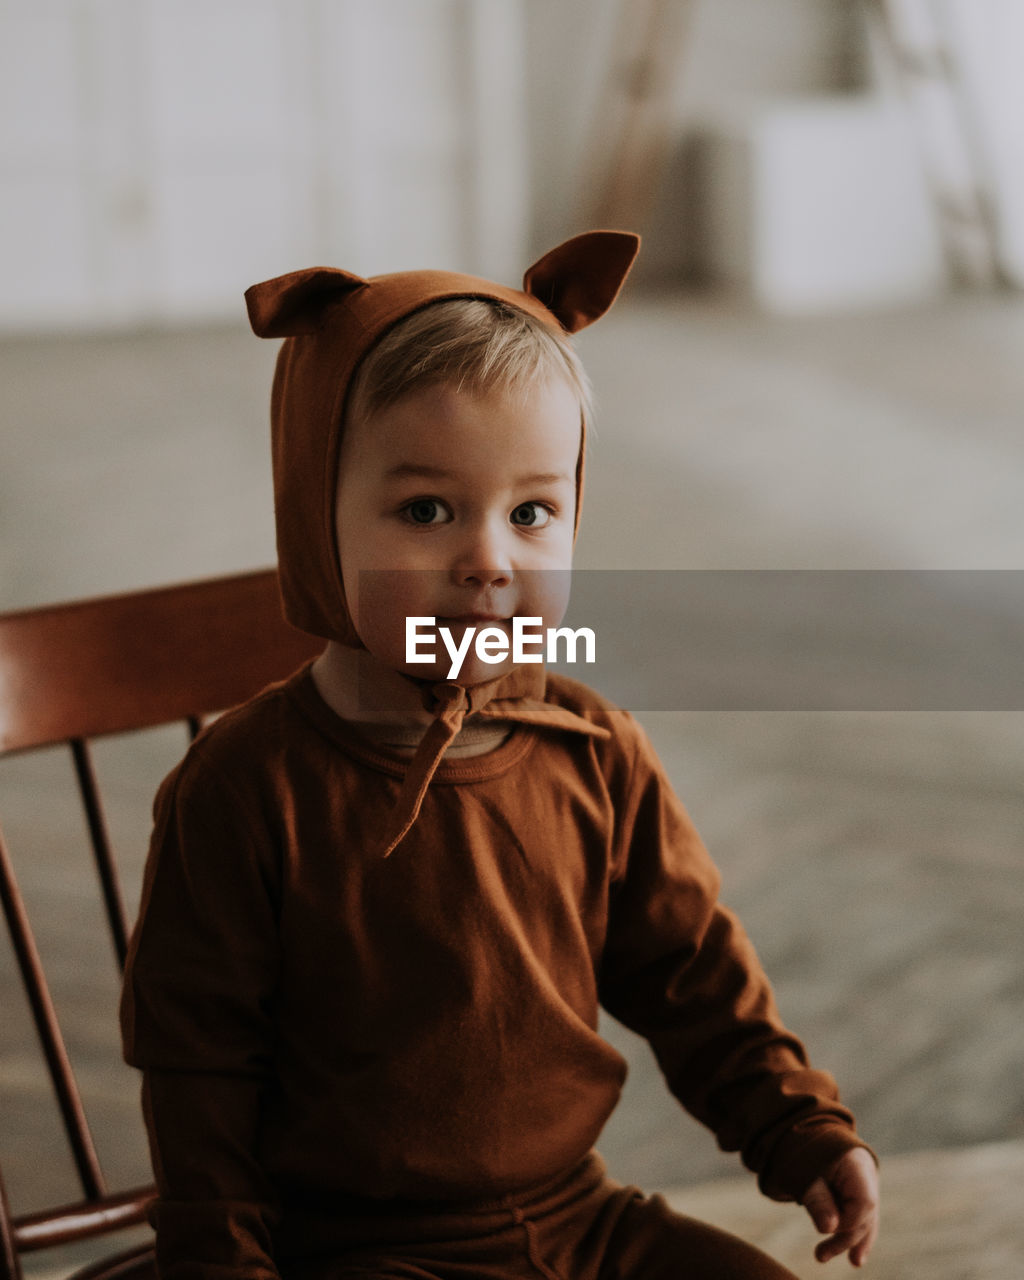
[[859, 1252], [857, 1243], [820, 1204], [838, 1244], [832, 1247], [855, 1237], [845, 1204], [859, 1216]]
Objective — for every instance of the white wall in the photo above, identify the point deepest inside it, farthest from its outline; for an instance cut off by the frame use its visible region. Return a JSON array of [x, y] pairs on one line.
[[158, 156]]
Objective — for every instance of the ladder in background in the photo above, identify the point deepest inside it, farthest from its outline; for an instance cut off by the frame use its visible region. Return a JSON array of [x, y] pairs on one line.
[[632, 134], [918, 38]]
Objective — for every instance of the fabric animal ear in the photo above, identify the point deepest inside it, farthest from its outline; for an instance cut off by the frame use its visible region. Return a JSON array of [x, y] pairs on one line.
[[580, 279], [292, 304]]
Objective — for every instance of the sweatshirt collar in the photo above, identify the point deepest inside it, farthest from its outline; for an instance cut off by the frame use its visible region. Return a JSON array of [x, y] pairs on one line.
[[517, 696]]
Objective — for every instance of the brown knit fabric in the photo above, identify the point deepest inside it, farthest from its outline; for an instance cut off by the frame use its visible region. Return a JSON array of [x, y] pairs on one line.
[[318, 1025]]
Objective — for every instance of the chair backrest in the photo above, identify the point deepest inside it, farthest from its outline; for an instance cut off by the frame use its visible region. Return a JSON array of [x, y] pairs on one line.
[[74, 672]]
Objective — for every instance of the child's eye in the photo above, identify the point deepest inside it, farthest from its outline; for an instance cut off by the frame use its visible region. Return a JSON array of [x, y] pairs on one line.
[[426, 511], [532, 514]]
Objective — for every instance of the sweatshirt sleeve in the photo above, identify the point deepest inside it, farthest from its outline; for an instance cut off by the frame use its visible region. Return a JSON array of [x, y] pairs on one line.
[[678, 969], [196, 1017]]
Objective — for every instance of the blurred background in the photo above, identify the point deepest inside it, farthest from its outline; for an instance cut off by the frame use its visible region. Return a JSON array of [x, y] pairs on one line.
[[816, 365]]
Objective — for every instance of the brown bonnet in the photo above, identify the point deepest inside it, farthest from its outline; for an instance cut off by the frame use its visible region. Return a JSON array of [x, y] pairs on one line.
[[329, 319]]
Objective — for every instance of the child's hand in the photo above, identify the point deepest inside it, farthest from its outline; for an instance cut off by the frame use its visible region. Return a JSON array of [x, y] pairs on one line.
[[845, 1203]]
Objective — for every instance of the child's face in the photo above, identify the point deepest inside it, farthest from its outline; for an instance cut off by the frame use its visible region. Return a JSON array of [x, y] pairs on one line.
[[463, 498]]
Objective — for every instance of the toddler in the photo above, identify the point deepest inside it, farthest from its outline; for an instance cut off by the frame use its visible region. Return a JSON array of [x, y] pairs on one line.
[[382, 907]]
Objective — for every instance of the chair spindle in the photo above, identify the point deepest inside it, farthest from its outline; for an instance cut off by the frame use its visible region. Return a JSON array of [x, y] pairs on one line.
[[59, 1064], [101, 848]]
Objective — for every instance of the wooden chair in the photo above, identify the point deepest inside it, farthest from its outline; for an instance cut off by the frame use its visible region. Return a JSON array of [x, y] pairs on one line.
[[75, 672]]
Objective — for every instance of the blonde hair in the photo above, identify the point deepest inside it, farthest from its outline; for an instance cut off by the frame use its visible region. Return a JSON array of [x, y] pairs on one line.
[[476, 344]]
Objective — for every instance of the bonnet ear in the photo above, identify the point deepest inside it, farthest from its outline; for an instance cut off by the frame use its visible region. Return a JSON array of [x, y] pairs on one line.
[[292, 304], [580, 279]]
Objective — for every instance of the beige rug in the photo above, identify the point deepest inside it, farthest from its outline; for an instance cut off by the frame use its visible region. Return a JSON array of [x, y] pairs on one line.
[[946, 1215]]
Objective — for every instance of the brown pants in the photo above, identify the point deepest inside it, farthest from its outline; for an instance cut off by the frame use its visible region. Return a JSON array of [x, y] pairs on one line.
[[581, 1227]]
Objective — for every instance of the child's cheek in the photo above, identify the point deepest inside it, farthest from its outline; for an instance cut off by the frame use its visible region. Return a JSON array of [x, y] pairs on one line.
[[385, 598], [545, 593]]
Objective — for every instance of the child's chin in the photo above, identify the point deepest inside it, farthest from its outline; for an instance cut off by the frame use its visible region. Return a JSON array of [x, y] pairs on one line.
[[472, 672], [481, 673]]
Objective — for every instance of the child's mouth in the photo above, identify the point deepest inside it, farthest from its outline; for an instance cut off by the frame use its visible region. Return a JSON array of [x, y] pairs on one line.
[[476, 619]]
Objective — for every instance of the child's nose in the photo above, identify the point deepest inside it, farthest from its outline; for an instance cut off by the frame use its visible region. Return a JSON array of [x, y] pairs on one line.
[[483, 559]]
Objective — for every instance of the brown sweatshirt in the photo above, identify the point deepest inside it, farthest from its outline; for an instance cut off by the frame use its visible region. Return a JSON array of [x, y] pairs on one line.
[[317, 1023]]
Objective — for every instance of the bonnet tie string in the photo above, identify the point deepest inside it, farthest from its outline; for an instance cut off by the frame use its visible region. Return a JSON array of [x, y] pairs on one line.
[[451, 707]]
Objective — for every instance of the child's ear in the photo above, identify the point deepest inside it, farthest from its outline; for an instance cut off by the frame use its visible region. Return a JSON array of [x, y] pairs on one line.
[[581, 279], [292, 304]]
